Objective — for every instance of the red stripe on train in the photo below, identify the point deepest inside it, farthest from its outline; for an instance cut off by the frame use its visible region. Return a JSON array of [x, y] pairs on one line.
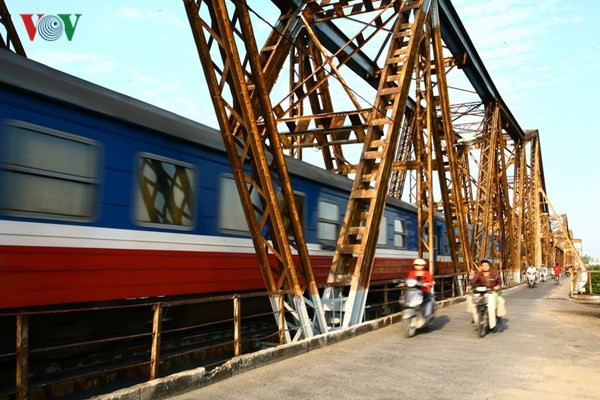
[[34, 276]]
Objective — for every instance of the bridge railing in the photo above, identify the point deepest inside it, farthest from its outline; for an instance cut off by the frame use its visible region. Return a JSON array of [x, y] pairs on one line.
[[161, 343], [450, 286], [585, 283], [138, 349], [174, 334]]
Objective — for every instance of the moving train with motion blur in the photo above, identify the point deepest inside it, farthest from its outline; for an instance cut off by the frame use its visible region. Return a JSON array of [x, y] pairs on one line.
[[106, 198]]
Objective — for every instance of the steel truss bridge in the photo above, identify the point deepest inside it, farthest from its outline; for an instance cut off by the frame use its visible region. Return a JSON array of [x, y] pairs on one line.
[[391, 94]]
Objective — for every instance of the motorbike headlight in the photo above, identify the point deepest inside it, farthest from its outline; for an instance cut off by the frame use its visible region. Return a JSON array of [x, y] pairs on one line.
[[411, 282]]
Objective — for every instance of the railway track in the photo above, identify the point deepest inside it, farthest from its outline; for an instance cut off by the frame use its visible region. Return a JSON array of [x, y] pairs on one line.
[[82, 352], [70, 352]]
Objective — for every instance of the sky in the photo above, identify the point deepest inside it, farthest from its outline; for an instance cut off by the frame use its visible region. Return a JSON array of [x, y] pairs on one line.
[[543, 57]]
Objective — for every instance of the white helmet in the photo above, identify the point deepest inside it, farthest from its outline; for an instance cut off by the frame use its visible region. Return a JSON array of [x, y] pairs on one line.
[[419, 261]]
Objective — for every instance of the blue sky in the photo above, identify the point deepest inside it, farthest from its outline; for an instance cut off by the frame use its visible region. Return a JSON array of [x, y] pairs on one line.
[[543, 57]]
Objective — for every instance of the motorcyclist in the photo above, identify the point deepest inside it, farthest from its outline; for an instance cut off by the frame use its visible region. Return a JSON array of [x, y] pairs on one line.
[[543, 273], [492, 280], [531, 271], [557, 271], [424, 276]]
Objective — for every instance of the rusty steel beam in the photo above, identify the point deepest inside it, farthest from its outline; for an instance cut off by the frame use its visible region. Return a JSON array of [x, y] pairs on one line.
[[12, 41], [426, 120], [357, 240], [457, 185], [549, 241], [460, 45], [312, 85], [241, 99], [536, 202], [562, 231], [455, 38], [156, 341], [530, 208], [402, 140], [486, 190], [22, 357], [402, 164], [335, 40], [451, 182], [503, 229]]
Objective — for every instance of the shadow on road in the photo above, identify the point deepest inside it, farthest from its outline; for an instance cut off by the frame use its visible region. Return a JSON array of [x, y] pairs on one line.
[[438, 324], [501, 326]]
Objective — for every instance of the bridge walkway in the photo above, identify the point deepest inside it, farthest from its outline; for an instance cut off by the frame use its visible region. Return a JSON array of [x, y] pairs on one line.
[[548, 346]]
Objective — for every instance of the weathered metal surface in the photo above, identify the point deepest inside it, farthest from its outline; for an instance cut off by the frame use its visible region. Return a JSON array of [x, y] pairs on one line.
[[357, 239], [22, 355], [239, 90], [12, 41], [490, 211]]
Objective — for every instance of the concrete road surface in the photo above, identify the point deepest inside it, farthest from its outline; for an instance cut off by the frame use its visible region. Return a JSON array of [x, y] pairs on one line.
[[548, 347]]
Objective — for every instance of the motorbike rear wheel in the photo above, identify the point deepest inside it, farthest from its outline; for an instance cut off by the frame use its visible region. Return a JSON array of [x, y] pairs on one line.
[[409, 326], [483, 324]]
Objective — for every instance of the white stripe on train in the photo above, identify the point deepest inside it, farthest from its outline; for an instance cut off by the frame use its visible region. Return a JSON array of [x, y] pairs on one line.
[[18, 233]]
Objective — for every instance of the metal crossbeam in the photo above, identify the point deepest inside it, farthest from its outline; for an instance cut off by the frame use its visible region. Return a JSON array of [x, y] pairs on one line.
[[395, 43], [241, 99], [357, 241], [12, 41]]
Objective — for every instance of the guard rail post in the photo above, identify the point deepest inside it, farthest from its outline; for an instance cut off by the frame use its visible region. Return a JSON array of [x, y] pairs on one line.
[[22, 356], [237, 325], [156, 331]]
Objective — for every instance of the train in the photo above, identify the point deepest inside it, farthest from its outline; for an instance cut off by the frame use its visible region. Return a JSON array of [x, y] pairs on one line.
[[106, 198]]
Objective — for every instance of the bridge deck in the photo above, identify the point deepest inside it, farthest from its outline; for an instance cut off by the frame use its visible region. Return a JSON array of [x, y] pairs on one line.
[[547, 347]]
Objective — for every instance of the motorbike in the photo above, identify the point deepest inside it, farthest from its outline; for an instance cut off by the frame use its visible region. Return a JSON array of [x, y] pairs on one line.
[[531, 279], [480, 301], [557, 278], [542, 276], [416, 314]]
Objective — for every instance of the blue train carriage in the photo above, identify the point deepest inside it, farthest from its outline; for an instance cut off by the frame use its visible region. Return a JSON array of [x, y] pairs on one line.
[[103, 197]]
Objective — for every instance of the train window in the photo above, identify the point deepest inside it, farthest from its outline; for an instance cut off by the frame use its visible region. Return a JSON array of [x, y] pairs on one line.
[[446, 244], [165, 192], [400, 233], [426, 240], [329, 221], [48, 173], [382, 240], [231, 213]]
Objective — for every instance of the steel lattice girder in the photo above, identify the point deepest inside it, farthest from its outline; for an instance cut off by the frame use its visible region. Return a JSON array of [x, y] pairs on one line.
[[391, 130], [241, 99]]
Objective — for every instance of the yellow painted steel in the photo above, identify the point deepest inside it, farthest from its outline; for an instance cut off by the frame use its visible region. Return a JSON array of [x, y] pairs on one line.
[[404, 142]]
